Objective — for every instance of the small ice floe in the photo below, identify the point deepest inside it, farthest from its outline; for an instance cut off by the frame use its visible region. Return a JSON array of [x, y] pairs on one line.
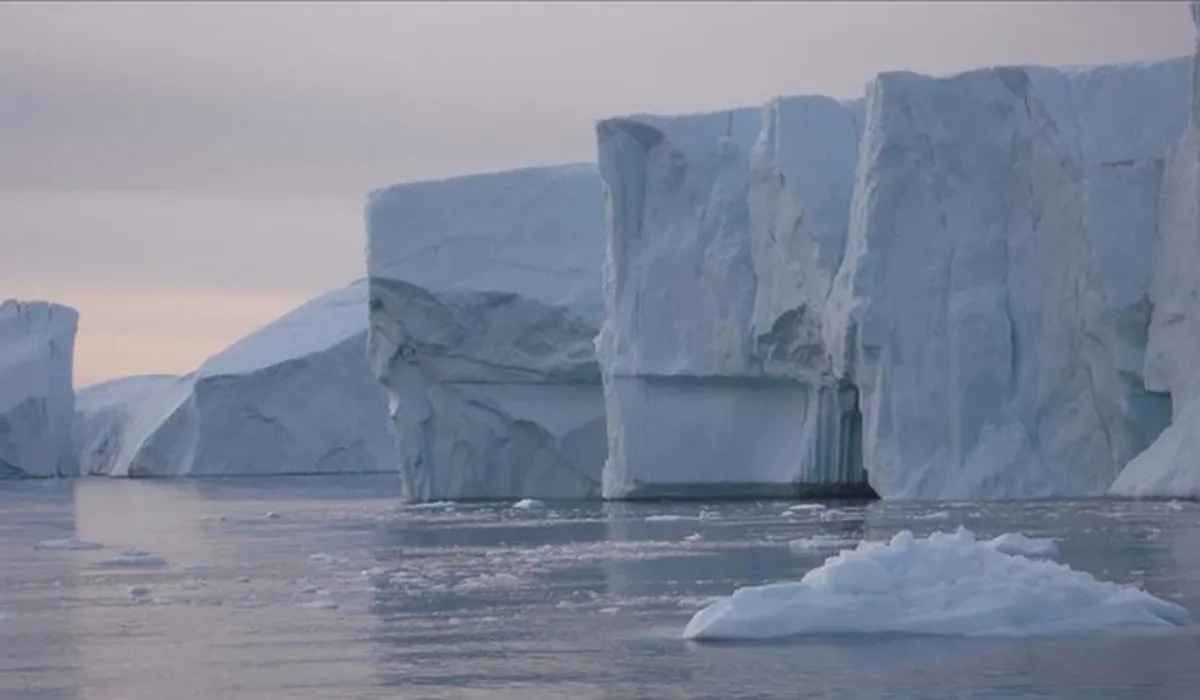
[[318, 604], [802, 508], [528, 504], [133, 557], [666, 518], [1016, 543], [272, 515], [242, 579], [694, 537], [945, 584], [818, 543], [326, 558], [139, 593], [69, 543], [935, 515]]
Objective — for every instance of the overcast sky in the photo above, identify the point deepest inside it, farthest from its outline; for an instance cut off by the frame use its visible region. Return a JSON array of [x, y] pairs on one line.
[[182, 173]]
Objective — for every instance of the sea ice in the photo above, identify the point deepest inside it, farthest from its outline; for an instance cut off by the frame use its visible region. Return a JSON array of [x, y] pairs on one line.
[[37, 395], [70, 544], [945, 584]]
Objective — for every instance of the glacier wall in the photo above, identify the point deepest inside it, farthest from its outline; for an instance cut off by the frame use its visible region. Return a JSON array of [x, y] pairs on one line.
[[1171, 466], [723, 233], [484, 303], [993, 302], [295, 397], [37, 396]]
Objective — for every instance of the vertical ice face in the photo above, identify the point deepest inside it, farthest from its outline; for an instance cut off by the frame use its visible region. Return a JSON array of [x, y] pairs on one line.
[[37, 396], [295, 397], [484, 304], [723, 231], [993, 301], [1170, 466]]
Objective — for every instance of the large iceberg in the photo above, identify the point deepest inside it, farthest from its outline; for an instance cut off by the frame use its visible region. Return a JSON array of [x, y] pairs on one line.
[[724, 231], [484, 304], [1171, 466], [944, 584], [37, 396], [993, 302], [295, 397]]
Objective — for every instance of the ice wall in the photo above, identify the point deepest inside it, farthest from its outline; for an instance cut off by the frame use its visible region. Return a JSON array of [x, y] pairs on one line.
[[484, 303], [295, 397], [37, 397], [723, 232], [1171, 466], [993, 301]]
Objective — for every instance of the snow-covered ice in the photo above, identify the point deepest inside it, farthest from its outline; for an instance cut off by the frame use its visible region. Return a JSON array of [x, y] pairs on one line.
[[295, 397], [485, 297], [945, 584], [37, 396], [723, 233], [1171, 466]]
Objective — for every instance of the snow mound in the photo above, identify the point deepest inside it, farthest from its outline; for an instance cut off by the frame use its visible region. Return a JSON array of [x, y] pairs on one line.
[[37, 395], [484, 302], [945, 584], [295, 397]]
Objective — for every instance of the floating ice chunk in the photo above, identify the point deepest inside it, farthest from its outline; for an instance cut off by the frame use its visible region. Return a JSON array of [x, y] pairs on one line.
[[1016, 543], [666, 518], [319, 604], [139, 592], [133, 557], [528, 504], [325, 558], [69, 543], [945, 584], [694, 537], [805, 508], [819, 542]]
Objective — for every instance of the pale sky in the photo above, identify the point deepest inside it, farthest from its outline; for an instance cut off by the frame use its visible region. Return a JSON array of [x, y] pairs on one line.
[[182, 173]]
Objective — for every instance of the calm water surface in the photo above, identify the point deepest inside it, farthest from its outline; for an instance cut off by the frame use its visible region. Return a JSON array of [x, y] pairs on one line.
[[310, 588]]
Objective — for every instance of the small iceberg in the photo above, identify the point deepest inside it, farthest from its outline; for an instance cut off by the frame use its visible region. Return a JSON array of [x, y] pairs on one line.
[[528, 504], [133, 557], [946, 584], [1016, 543], [68, 544]]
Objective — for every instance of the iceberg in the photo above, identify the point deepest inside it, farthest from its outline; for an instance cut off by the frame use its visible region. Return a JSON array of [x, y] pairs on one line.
[[944, 584], [724, 232], [485, 299], [993, 302], [295, 397], [37, 396], [1171, 466]]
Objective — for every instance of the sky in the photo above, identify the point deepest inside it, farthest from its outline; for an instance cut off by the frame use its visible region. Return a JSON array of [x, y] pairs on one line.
[[182, 173]]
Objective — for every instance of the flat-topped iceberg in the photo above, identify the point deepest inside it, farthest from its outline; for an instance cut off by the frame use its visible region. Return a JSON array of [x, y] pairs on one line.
[[484, 303], [724, 231], [295, 397], [944, 584], [37, 397]]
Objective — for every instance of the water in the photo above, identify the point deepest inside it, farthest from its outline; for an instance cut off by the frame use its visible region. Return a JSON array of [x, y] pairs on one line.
[[483, 601]]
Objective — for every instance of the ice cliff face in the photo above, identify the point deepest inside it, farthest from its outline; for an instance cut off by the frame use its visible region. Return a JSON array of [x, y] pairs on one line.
[[1171, 466], [292, 398], [723, 232], [484, 303], [37, 398], [993, 303]]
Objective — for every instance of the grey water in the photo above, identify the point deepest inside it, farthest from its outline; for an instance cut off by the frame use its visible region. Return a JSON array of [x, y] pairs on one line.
[[314, 588]]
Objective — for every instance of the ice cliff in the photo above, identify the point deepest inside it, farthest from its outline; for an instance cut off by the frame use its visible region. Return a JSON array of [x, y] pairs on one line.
[[1171, 466], [37, 398], [294, 397], [484, 302], [724, 231], [942, 290], [993, 303]]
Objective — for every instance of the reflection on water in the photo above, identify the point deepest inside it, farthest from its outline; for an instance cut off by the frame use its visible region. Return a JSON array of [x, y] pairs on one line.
[[326, 588]]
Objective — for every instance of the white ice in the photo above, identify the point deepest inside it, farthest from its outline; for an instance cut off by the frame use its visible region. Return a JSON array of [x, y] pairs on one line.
[[295, 397], [945, 584], [484, 302], [37, 395], [69, 544]]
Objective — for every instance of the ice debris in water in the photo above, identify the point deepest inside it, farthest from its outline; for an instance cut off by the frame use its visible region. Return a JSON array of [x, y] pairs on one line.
[[1016, 543], [69, 543], [528, 504], [139, 592], [947, 584], [819, 542], [133, 557]]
